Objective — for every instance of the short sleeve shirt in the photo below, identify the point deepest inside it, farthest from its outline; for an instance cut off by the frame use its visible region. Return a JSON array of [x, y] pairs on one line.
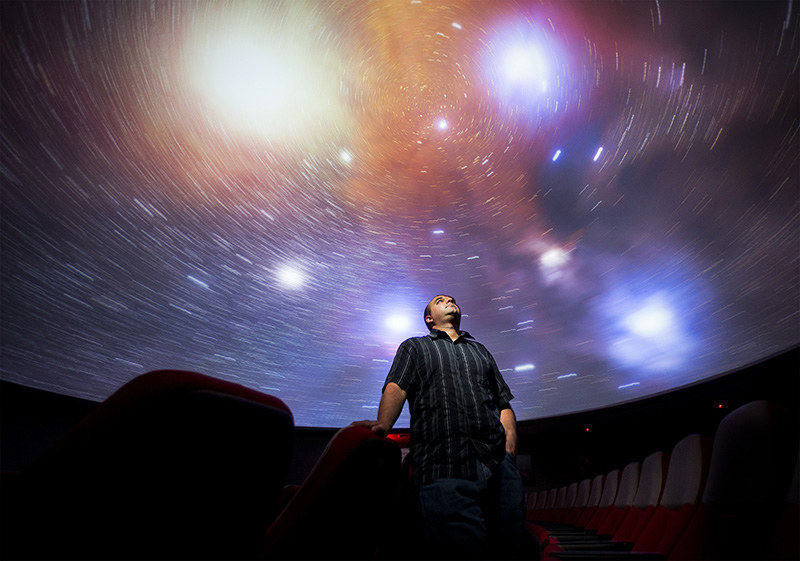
[[455, 393]]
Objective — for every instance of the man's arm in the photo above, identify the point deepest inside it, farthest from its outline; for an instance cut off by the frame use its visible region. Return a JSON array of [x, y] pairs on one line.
[[509, 422], [391, 405], [389, 409]]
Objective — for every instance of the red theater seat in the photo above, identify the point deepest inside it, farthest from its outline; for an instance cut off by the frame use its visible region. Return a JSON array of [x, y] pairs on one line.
[[614, 516], [648, 492], [750, 472], [344, 506], [172, 465], [686, 476]]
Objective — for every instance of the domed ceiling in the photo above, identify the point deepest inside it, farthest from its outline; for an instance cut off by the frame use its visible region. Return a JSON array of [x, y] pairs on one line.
[[271, 192]]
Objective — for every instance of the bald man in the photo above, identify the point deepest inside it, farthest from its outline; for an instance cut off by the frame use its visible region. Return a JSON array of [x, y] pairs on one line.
[[463, 439]]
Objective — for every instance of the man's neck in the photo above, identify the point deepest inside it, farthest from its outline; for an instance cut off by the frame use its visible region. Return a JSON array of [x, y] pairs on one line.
[[450, 329]]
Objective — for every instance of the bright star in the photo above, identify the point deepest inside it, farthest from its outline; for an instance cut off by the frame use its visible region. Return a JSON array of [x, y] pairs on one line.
[[441, 124], [398, 323], [525, 65], [553, 258], [654, 319], [290, 277]]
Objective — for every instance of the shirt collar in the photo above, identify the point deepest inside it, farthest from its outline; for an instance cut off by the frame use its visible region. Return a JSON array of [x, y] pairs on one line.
[[436, 333]]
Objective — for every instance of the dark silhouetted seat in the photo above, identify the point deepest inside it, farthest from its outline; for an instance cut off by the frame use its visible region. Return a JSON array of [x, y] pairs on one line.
[[750, 472], [172, 465], [342, 508]]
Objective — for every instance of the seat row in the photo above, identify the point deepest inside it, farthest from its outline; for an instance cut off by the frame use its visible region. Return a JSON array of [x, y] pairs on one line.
[[735, 498]]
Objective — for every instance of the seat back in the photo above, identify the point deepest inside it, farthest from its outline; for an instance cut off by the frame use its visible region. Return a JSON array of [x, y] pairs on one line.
[[551, 499], [686, 475], [341, 509], [750, 472], [561, 497], [787, 539], [569, 501], [581, 499], [595, 494], [606, 500], [648, 493], [625, 494], [172, 464]]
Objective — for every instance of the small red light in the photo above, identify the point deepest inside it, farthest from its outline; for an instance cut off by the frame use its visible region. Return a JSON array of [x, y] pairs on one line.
[[587, 429], [719, 406]]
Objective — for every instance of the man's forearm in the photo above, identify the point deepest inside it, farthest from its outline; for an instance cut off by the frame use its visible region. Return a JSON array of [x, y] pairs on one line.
[[391, 405], [509, 422]]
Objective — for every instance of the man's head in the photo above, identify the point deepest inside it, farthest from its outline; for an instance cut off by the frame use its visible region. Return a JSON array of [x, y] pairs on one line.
[[442, 310]]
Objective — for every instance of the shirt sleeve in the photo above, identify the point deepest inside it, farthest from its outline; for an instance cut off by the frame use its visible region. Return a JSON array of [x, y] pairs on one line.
[[503, 393], [404, 368]]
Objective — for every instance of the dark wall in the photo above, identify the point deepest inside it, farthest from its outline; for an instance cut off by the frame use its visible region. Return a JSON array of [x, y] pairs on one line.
[[561, 449], [31, 420]]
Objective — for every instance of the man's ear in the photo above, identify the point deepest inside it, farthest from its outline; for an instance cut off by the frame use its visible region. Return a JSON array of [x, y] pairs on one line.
[[429, 324]]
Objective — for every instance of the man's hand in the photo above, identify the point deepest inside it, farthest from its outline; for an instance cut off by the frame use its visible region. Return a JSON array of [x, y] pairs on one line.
[[376, 427]]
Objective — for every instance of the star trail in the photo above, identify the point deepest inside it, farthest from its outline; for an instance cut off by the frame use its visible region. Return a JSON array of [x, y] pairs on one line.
[[270, 193]]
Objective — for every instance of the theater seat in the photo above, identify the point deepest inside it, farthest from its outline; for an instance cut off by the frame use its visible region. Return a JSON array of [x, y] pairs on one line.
[[686, 476], [172, 465], [751, 468], [343, 508], [614, 516], [576, 519], [648, 493], [787, 538], [588, 528]]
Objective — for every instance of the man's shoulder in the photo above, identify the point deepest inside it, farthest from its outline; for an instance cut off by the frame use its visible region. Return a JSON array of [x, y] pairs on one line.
[[414, 342]]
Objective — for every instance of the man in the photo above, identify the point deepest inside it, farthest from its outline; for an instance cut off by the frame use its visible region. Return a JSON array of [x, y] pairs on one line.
[[463, 439]]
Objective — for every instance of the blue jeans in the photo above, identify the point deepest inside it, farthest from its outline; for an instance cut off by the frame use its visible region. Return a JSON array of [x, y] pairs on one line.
[[483, 519]]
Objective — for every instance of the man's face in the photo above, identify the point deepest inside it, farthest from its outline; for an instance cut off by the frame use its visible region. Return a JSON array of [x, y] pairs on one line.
[[444, 310]]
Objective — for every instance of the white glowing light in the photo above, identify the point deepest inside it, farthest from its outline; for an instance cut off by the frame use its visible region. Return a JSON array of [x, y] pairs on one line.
[[653, 320], [570, 375], [623, 386], [441, 124], [198, 281], [346, 156], [597, 154], [524, 64], [290, 277], [438, 232], [553, 258], [398, 323], [524, 367], [557, 155], [260, 71], [456, 25]]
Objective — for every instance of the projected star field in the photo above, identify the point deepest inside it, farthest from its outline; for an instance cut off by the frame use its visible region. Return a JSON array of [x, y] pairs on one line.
[[271, 192]]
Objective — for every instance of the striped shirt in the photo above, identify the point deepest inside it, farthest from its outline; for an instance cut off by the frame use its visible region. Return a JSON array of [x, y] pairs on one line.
[[455, 394]]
